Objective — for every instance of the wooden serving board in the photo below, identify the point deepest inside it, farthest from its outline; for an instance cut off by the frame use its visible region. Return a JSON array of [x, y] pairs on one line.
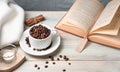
[[8, 67]]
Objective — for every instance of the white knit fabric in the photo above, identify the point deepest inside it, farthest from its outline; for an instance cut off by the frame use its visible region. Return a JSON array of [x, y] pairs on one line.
[[11, 22]]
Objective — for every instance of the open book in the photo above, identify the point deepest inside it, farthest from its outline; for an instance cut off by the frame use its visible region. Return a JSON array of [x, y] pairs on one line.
[[92, 21]]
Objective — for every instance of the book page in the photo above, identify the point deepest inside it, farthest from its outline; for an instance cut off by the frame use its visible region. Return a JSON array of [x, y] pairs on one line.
[[109, 40], [108, 23], [81, 15]]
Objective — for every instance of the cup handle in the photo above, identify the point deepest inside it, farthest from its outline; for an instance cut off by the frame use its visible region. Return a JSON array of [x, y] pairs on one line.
[[54, 34]]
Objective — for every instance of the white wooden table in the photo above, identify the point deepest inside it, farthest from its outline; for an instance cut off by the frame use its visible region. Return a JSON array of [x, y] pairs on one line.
[[95, 58]]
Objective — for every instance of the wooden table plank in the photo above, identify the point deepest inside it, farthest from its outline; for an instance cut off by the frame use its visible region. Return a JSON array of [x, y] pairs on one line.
[[76, 66]]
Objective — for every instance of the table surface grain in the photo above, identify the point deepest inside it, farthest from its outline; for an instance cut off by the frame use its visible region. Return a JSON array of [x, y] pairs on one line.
[[94, 58]]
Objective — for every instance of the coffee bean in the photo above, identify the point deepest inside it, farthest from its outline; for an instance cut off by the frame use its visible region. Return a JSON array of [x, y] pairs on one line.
[[42, 36], [46, 62], [60, 56], [53, 62], [35, 65], [64, 70], [38, 68], [34, 49], [27, 41], [69, 63], [58, 59], [37, 49], [46, 66], [50, 56], [64, 57]]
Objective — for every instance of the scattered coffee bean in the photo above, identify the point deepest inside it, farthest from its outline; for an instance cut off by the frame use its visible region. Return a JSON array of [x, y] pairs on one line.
[[64, 57], [58, 59], [50, 56], [27, 41], [60, 56], [53, 62], [46, 62], [34, 49], [64, 70], [38, 68], [46, 66], [40, 50], [69, 63], [37, 49], [35, 65]]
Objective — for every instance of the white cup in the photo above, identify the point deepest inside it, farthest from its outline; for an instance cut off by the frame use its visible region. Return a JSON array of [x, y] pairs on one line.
[[41, 43]]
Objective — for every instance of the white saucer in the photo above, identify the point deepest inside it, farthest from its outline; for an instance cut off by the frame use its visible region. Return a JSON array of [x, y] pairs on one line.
[[29, 50]]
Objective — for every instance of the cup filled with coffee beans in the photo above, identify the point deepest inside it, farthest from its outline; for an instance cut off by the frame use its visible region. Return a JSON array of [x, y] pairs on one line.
[[40, 36]]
